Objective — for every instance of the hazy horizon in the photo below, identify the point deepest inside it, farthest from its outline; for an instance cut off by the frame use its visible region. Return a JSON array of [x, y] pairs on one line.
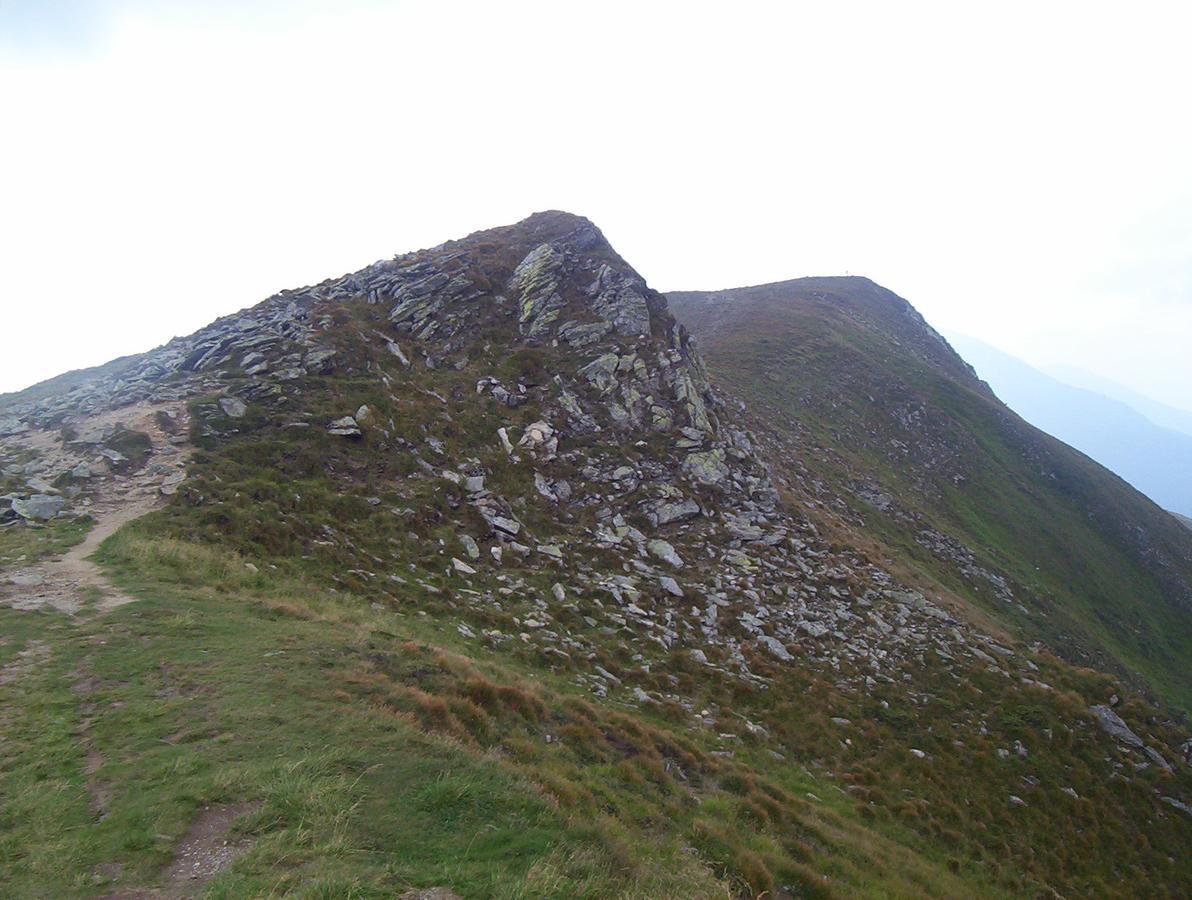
[[170, 164]]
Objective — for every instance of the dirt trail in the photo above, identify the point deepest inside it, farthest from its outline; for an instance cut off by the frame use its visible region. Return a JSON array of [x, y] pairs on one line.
[[111, 498]]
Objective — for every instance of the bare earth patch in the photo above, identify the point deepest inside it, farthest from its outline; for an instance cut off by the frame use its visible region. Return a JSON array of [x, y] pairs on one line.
[[113, 500], [205, 851]]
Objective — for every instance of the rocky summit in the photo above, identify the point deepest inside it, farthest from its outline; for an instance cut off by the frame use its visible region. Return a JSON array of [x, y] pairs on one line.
[[459, 574]]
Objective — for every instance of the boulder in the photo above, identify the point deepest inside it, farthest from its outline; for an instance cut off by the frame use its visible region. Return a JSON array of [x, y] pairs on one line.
[[662, 550], [232, 407], [706, 466], [774, 646], [470, 546], [670, 586], [11, 425], [1113, 725], [169, 484], [39, 506], [344, 427]]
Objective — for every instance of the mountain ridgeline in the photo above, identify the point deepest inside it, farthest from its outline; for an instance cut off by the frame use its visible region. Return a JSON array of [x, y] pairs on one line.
[[463, 573], [874, 414]]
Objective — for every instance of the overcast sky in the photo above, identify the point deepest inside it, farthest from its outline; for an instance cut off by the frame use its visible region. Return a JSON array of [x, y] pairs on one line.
[[1018, 172]]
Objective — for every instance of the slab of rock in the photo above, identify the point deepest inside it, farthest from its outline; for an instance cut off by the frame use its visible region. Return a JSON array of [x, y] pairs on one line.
[[169, 484], [662, 550], [470, 546], [1113, 725], [774, 646], [345, 427], [670, 586], [39, 506], [233, 407]]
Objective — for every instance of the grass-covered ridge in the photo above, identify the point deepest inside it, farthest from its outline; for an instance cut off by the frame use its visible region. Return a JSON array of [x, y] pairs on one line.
[[865, 403]]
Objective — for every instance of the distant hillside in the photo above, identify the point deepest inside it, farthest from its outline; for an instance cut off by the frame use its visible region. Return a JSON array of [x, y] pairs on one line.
[[1162, 414], [1157, 461], [871, 410]]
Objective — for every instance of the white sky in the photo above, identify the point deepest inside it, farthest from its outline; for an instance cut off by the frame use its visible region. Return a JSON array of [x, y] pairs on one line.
[[1018, 172]]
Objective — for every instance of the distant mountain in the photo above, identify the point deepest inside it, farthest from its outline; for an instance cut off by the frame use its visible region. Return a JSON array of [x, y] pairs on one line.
[[1161, 414], [1156, 460]]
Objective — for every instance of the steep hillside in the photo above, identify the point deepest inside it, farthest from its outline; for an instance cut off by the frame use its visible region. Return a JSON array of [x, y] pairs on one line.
[[872, 413], [461, 574]]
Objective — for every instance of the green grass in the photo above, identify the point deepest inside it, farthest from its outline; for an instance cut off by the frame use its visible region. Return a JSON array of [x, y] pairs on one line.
[[25, 543], [201, 696]]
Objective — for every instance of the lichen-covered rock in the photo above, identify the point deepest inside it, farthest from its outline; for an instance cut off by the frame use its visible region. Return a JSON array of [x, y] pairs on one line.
[[232, 407], [664, 551], [344, 427], [39, 506], [706, 466], [535, 283]]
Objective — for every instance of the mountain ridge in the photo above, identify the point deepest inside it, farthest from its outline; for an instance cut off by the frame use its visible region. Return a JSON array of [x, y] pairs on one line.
[[483, 504], [846, 339]]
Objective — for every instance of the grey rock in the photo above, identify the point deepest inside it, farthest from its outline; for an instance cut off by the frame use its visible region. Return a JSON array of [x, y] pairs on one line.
[[1113, 725], [27, 579], [670, 586], [10, 425], [344, 427], [233, 407], [706, 466], [509, 526], [39, 506], [662, 550], [470, 546], [1177, 804], [774, 646], [673, 511], [393, 348], [503, 434], [169, 484]]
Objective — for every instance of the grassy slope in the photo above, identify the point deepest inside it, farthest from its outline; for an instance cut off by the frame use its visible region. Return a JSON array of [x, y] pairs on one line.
[[341, 725], [842, 365]]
